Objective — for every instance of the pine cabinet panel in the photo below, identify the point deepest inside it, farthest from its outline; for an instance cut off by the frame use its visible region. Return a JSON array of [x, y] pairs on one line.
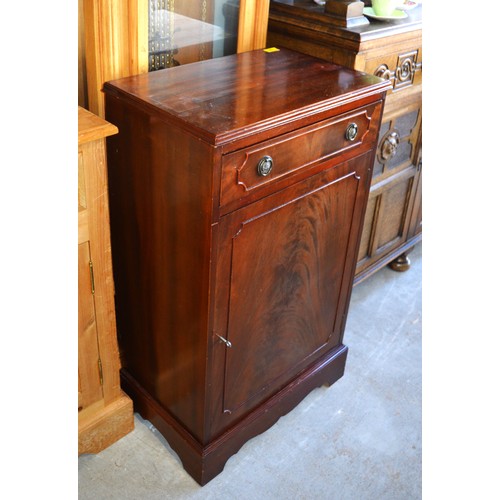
[[105, 413]]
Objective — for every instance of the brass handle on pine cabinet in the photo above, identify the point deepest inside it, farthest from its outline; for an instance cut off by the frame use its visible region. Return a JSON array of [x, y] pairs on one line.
[[351, 132], [265, 166]]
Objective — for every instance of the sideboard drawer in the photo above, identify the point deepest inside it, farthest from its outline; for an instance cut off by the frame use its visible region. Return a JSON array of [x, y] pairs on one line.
[[402, 68], [258, 170]]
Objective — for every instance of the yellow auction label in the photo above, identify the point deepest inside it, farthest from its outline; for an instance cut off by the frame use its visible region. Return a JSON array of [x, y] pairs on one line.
[[272, 49]]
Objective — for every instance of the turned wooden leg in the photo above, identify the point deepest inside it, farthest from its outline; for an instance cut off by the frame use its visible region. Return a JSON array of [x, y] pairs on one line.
[[401, 263]]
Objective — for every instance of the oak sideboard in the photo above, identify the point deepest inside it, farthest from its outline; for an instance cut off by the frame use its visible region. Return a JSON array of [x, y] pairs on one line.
[[393, 51]]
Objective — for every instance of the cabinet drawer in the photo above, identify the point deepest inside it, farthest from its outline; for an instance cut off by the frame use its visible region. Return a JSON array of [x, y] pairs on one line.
[[403, 68], [266, 167]]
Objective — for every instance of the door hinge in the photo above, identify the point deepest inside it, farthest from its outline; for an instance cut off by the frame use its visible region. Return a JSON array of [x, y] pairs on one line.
[[91, 266], [99, 364]]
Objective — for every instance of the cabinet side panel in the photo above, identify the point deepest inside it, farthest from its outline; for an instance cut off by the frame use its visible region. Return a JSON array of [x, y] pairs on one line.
[[160, 182]]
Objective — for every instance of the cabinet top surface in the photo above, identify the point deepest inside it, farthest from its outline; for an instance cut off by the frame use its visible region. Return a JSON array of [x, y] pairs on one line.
[[303, 11], [230, 97], [91, 127]]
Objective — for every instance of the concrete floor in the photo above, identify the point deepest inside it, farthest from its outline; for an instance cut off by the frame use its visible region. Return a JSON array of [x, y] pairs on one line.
[[359, 439]]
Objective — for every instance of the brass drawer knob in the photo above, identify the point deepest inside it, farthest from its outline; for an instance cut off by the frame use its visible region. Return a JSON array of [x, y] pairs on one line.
[[265, 166], [351, 132]]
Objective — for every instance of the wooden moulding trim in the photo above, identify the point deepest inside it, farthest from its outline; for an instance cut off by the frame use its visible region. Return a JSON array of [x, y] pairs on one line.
[[307, 380], [318, 21], [366, 273], [100, 426], [203, 463], [302, 113], [328, 37], [92, 127], [348, 102]]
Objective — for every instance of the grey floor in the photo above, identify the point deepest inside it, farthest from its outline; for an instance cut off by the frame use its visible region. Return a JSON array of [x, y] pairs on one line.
[[359, 439]]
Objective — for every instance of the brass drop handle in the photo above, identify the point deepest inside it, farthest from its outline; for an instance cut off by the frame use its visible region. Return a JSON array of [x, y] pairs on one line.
[[228, 344], [351, 132], [265, 166]]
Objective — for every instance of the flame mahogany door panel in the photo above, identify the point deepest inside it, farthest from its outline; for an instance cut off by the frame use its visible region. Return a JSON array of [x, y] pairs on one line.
[[282, 275]]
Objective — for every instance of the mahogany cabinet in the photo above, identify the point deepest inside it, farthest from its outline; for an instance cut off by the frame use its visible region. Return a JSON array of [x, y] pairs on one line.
[[237, 187], [105, 412], [393, 51]]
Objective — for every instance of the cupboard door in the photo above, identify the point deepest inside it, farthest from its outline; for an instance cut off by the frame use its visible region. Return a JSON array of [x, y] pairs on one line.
[[282, 277], [416, 217], [394, 190], [89, 380]]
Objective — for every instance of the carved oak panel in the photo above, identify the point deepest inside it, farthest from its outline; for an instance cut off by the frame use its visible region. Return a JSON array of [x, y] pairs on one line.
[[400, 69]]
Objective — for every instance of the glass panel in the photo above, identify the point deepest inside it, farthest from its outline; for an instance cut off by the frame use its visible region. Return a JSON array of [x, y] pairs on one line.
[[185, 31], [402, 154], [405, 123]]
